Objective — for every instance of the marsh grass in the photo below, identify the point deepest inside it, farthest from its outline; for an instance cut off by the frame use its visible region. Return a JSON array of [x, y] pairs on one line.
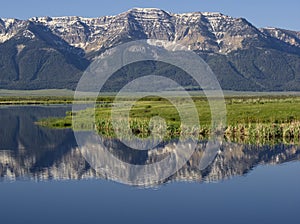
[[263, 120]]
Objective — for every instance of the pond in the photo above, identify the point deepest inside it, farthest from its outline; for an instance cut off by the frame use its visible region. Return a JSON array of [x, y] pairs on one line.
[[45, 178]]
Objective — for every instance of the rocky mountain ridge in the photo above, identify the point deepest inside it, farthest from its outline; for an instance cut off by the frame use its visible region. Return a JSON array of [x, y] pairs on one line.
[[198, 31], [46, 52]]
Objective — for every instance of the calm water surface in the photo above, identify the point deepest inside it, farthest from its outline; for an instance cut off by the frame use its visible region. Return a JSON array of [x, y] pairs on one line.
[[45, 179]]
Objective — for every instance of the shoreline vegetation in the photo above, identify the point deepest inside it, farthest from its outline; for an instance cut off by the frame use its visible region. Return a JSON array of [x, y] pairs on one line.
[[260, 120], [35, 100]]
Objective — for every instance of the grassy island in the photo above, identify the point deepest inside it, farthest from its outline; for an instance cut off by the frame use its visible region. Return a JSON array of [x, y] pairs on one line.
[[250, 119]]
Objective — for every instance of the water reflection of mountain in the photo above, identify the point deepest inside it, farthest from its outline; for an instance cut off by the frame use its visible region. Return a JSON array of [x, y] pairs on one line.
[[60, 163], [31, 152], [26, 147]]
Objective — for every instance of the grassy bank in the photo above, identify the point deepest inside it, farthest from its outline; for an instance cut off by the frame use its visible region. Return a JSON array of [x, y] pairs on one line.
[[250, 119]]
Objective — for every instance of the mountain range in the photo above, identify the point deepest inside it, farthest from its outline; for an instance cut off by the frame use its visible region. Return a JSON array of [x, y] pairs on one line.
[[52, 53]]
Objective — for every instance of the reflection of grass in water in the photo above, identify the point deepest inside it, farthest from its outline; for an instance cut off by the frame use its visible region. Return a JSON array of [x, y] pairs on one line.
[[249, 119]]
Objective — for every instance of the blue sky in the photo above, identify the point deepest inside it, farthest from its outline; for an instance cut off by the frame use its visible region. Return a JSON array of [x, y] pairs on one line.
[[262, 13]]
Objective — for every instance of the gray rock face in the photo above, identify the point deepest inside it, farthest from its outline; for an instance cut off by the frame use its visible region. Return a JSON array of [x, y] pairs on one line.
[[288, 36]]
